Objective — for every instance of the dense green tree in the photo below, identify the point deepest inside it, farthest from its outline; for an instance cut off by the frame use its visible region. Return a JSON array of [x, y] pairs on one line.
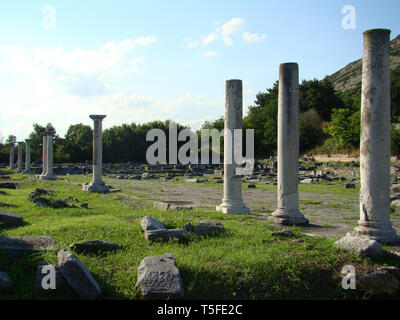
[[345, 127], [77, 144], [319, 95], [262, 117], [395, 92]]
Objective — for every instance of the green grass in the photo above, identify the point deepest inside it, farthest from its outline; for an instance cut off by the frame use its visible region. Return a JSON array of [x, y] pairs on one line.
[[211, 267]]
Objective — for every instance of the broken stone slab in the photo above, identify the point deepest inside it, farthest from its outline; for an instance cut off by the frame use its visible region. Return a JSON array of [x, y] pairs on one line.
[[205, 227], [395, 188], [251, 186], [165, 234], [94, 246], [9, 185], [173, 205], [159, 278], [77, 275], [283, 233], [393, 270], [10, 219], [378, 282], [40, 283], [16, 248], [6, 284], [395, 197], [150, 223], [361, 245], [350, 186], [192, 180], [307, 181]]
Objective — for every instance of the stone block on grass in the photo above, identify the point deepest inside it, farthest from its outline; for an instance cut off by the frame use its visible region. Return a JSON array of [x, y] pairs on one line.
[[166, 234], [77, 276], [360, 245], [159, 278]]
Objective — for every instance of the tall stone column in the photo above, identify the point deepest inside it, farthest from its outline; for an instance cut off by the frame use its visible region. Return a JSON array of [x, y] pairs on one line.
[[97, 184], [44, 155], [27, 156], [375, 145], [49, 158], [19, 163], [288, 212], [12, 156], [232, 202]]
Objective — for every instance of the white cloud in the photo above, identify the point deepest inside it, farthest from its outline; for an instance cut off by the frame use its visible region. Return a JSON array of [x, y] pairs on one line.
[[209, 54], [253, 37], [225, 32]]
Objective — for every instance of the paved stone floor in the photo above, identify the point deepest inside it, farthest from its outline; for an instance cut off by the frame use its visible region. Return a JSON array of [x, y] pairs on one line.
[[329, 214]]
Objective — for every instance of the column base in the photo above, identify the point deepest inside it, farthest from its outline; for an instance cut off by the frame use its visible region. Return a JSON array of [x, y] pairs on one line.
[[233, 208], [95, 188], [288, 217], [381, 232], [27, 172]]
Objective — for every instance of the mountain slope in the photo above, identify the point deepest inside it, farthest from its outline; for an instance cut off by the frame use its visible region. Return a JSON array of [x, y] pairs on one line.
[[350, 76]]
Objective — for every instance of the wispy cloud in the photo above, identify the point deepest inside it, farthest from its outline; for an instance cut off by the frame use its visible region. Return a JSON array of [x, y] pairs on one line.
[[253, 37], [225, 32], [209, 54]]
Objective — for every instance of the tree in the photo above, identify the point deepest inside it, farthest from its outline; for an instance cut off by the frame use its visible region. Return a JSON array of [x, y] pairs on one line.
[[37, 141], [311, 133], [319, 95], [262, 117], [345, 127], [77, 144]]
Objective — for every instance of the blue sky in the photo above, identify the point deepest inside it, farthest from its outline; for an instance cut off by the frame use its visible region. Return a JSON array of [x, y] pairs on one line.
[[138, 61]]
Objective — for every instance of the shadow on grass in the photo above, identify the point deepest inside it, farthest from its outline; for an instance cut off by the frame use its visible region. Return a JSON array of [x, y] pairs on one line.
[[22, 272]]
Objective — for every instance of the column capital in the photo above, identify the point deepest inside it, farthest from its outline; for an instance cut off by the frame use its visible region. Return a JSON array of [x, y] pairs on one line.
[[28, 140], [97, 116], [50, 133]]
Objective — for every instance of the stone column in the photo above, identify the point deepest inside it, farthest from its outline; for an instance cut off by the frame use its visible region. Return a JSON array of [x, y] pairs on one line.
[[19, 163], [97, 184], [288, 212], [27, 156], [375, 145], [44, 155], [12, 155], [49, 158], [232, 202]]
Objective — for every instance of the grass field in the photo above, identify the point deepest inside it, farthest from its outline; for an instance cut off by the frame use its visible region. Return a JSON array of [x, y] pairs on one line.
[[246, 262]]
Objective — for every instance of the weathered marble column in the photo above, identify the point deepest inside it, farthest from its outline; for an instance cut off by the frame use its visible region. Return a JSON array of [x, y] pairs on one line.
[[375, 145], [97, 184], [27, 156], [44, 155], [12, 156], [232, 202], [19, 161], [49, 158], [288, 212]]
